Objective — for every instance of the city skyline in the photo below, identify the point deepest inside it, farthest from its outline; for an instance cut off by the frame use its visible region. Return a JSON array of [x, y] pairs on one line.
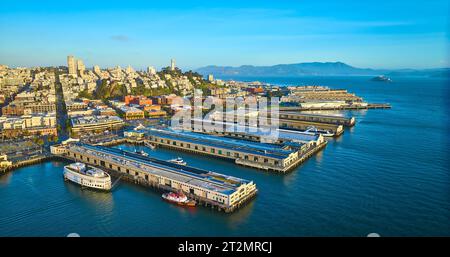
[[371, 35]]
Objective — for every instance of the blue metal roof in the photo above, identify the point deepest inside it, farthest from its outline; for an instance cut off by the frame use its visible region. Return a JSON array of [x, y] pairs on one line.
[[263, 149], [187, 170]]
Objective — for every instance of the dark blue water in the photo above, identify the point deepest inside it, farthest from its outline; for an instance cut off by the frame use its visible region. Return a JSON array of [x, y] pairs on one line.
[[389, 174]]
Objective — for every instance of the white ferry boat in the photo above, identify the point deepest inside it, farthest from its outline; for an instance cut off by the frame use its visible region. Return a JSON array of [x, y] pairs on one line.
[[87, 176]]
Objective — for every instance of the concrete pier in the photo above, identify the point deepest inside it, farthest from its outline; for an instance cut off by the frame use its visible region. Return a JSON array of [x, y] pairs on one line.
[[271, 157], [32, 160], [337, 130], [319, 118], [224, 192], [346, 107]]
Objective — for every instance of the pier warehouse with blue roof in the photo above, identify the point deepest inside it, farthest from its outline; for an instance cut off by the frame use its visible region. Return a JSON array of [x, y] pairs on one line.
[[224, 192], [273, 157]]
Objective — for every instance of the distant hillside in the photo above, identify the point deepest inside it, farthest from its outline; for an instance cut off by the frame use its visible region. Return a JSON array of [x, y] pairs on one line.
[[297, 69], [435, 73], [313, 69]]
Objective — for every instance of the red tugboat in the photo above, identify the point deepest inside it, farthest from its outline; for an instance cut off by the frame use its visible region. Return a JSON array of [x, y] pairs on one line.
[[179, 199]]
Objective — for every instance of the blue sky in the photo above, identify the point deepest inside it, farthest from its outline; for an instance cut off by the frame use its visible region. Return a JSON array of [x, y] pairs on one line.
[[374, 34]]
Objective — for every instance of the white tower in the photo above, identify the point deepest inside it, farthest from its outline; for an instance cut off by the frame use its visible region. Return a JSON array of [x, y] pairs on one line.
[[172, 64]]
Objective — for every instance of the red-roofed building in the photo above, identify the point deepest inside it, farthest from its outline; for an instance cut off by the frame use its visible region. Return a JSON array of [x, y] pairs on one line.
[[255, 90], [139, 100]]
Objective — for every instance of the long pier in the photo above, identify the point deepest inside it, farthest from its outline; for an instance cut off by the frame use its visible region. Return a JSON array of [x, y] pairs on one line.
[[293, 124], [225, 193], [271, 157], [305, 156], [30, 161], [252, 133], [319, 118], [331, 108], [299, 122]]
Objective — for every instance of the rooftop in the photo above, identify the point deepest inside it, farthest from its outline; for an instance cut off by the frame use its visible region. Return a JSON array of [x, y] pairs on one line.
[[210, 180], [85, 120], [129, 109], [296, 136], [262, 149]]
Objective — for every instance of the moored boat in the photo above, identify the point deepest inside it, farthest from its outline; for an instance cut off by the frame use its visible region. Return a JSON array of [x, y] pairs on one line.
[[85, 176], [151, 146], [311, 130], [141, 153], [179, 199], [179, 161]]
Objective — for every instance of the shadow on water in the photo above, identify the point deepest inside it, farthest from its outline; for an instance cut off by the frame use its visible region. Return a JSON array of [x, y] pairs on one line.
[[93, 197], [5, 178]]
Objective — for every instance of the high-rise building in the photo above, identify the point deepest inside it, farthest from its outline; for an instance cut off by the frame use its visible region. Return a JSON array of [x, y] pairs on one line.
[[210, 78], [172, 64], [151, 70], [97, 69], [71, 65], [80, 66], [129, 69]]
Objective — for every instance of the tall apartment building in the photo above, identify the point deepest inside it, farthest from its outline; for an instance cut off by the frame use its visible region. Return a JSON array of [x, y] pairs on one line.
[[71, 65], [80, 67]]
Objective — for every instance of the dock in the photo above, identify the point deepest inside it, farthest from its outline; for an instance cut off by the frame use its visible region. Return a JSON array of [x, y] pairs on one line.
[[331, 108], [270, 157], [252, 133], [337, 130], [285, 121], [319, 118], [321, 93], [221, 192], [26, 162]]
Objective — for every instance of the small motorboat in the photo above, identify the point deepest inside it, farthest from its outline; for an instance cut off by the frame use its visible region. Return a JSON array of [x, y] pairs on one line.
[[178, 161], [141, 153], [151, 146], [139, 127], [314, 131], [179, 199]]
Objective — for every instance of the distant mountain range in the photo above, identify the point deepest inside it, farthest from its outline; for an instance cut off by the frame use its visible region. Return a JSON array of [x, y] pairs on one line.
[[315, 69]]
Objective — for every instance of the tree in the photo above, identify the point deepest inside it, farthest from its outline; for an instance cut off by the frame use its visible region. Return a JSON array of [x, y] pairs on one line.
[[85, 94], [108, 91]]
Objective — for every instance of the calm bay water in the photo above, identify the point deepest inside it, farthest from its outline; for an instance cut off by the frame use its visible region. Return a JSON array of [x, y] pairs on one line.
[[389, 174]]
